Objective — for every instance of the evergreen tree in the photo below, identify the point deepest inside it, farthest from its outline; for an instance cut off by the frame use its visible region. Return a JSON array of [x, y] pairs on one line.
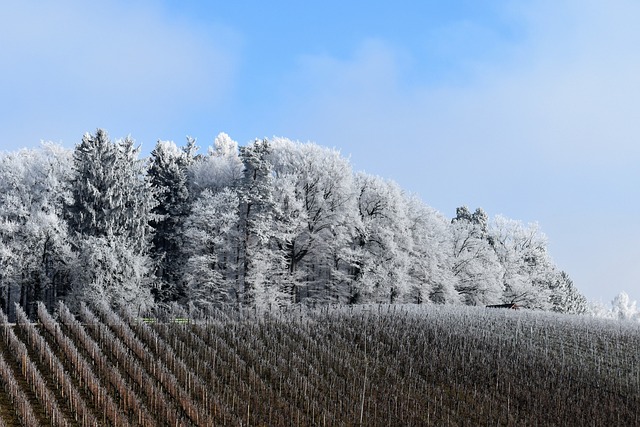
[[110, 214], [168, 178], [565, 297], [93, 185]]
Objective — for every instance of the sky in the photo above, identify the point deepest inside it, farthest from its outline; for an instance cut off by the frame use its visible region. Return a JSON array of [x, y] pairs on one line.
[[529, 109]]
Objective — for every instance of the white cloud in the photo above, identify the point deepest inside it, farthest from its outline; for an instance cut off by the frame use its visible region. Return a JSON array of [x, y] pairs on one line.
[[568, 89], [544, 128], [72, 65]]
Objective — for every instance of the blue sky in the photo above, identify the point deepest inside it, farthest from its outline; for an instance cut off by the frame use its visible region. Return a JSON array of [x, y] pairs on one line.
[[526, 108]]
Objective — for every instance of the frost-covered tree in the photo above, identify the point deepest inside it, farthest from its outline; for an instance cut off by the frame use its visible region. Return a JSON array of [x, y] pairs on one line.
[[624, 308], [527, 271], [475, 265], [565, 297], [136, 198], [110, 215], [168, 177], [255, 222], [431, 272], [111, 196], [34, 244], [107, 269], [382, 242], [242, 254], [221, 168], [208, 231], [314, 196]]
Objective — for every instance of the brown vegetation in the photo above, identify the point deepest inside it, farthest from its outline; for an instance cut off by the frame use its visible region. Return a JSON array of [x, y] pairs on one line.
[[371, 365]]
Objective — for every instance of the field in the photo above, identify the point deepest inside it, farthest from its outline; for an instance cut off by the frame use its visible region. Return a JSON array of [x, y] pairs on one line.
[[365, 365]]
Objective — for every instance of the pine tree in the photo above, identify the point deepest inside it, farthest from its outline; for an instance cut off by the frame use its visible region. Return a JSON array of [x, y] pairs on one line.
[[565, 297], [94, 187], [110, 215], [168, 178]]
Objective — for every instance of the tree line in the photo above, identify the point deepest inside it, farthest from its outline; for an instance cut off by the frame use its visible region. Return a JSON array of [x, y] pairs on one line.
[[272, 223]]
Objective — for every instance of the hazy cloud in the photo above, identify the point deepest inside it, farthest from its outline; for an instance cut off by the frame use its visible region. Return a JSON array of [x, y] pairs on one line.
[[544, 127], [71, 64], [568, 92]]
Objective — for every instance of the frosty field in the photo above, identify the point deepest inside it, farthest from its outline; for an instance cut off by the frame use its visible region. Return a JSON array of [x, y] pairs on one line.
[[375, 365]]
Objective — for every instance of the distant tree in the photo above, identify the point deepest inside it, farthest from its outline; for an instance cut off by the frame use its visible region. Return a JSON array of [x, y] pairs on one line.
[[565, 297], [316, 214], [110, 215], [479, 218], [624, 308], [462, 214], [383, 241], [222, 167], [527, 273], [208, 231], [475, 265], [190, 150], [168, 177], [431, 265], [255, 223], [34, 243]]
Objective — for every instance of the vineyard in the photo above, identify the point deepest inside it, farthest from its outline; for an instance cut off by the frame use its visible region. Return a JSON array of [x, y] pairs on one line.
[[366, 365]]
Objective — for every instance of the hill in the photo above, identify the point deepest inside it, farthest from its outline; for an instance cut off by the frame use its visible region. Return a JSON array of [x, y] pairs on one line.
[[364, 365]]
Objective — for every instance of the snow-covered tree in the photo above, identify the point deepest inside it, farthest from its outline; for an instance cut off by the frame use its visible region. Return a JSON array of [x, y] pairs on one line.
[[527, 272], [314, 196], [474, 262], [111, 196], [565, 297], [168, 177], [383, 241], [624, 308], [255, 222], [136, 198], [432, 276], [110, 212], [208, 231], [221, 168], [108, 270], [34, 245]]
